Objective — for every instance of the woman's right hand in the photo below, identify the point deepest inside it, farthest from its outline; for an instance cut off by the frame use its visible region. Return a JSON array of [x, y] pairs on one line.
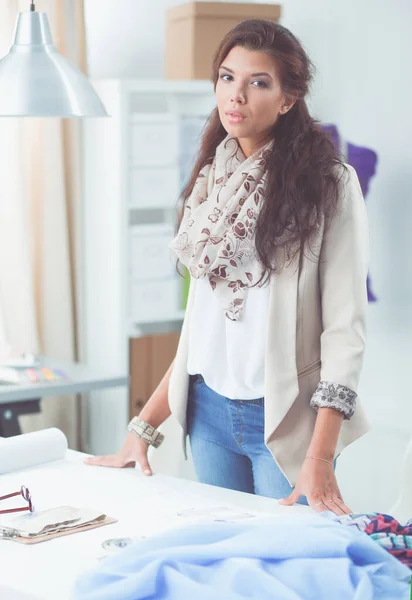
[[133, 451]]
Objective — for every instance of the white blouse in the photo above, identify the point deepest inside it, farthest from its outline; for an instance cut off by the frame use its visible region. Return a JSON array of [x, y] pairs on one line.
[[229, 354]]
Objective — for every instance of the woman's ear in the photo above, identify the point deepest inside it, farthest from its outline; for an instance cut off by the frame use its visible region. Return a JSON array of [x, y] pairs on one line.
[[288, 103]]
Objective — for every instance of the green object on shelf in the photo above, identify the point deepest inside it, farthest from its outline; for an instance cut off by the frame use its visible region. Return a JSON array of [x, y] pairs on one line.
[[185, 286]]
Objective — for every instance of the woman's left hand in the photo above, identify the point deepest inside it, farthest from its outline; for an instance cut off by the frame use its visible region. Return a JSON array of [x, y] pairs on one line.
[[317, 481]]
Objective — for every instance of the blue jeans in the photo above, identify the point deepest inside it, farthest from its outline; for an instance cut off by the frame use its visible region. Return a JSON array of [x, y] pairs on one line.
[[227, 443]]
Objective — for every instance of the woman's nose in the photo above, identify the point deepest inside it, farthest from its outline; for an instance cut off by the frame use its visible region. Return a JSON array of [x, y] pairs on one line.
[[238, 96]]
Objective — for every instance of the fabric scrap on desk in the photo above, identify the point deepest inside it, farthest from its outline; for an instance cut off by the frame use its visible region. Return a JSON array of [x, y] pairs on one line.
[[295, 557], [52, 520], [46, 525], [385, 530]]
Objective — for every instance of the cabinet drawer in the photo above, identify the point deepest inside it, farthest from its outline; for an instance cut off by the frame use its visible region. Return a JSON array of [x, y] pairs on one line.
[[154, 142], [152, 301], [154, 187], [150, 257]]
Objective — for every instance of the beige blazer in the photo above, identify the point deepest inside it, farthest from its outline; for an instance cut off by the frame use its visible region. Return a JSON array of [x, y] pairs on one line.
[[316, 332]]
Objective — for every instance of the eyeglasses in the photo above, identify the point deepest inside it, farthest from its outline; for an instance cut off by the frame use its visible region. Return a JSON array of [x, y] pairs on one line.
[[24, 492]]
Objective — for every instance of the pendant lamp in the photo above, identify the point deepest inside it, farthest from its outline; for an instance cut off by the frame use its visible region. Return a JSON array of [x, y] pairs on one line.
[[37, 81]]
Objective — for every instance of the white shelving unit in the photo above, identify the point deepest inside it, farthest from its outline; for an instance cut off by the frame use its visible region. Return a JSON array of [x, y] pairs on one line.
[[135, 166]]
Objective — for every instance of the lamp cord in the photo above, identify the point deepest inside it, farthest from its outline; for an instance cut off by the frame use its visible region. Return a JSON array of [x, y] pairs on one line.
[[32, 7]]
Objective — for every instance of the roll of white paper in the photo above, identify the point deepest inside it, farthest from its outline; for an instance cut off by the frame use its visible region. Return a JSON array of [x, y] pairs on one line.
[[31, 449]]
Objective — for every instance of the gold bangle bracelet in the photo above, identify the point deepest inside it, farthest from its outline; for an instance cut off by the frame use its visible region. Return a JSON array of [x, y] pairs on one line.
[[323, 459]]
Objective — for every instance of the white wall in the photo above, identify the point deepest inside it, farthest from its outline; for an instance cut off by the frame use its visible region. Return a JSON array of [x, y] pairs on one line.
[[126, 37], [362, 52]]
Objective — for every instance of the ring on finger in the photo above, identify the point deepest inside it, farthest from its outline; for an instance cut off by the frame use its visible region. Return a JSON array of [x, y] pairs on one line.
[[319, 503], [331, 501]]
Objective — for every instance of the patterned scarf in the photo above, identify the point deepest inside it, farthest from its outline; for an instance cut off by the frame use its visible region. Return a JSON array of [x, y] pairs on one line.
[[216, 238]]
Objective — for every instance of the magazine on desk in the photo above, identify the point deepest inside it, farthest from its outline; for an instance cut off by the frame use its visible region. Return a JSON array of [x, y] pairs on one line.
[[19, 520]]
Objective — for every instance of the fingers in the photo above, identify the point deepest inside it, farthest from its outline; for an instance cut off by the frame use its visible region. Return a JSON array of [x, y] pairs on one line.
[[317, 505], [112, 460], [341, 508], [123, 460], [333, 503], [144, 465], [101, 461], [291, 499]]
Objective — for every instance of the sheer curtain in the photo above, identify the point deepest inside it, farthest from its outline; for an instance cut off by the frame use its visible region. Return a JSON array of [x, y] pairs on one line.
[[40, 216]]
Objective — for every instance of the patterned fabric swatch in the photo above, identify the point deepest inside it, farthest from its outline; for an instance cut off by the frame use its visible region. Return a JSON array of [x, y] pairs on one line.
[[386, 531]]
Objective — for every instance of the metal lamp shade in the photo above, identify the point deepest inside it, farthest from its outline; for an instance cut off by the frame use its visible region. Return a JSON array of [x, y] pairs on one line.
[[37, 81]]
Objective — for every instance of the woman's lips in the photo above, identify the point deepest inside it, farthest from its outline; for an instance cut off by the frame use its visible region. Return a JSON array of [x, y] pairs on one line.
[[235, 117]]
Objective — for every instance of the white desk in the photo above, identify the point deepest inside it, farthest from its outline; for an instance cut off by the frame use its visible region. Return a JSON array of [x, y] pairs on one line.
[[24, 398], [142, 505]]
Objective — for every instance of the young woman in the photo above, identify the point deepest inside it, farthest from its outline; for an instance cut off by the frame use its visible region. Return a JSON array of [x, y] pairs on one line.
[[274, 235]]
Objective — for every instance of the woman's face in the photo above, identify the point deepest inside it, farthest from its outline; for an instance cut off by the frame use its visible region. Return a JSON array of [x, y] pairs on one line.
[[249, 96]]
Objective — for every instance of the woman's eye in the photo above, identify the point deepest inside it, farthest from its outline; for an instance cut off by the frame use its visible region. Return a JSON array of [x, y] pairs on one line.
[[256, 83], [259, 83]]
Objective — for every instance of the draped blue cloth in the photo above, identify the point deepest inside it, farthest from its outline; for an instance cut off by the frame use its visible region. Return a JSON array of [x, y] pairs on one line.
[[286, 558]]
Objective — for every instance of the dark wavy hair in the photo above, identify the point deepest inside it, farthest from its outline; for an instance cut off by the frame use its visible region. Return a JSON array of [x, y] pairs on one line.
[[302, 175]]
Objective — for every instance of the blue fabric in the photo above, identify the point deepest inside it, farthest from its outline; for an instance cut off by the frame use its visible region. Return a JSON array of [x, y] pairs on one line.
[[301, 557], [227, 444]]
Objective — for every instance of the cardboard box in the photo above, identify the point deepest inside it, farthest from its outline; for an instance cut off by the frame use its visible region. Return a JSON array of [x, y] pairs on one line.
[[149, 358], [195, 30]]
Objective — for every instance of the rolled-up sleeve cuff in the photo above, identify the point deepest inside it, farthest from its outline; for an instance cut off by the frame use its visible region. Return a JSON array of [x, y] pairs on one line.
[[333, 395]]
